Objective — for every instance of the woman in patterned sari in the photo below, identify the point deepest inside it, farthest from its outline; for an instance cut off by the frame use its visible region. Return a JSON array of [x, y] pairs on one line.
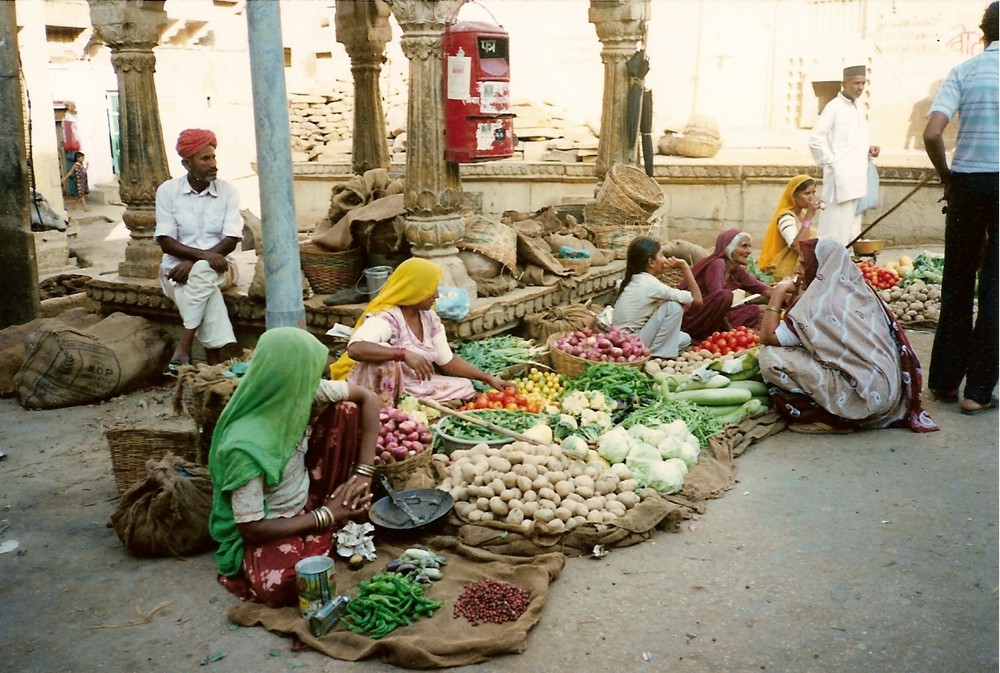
[[399, 346], [284, 483], [837, 359]]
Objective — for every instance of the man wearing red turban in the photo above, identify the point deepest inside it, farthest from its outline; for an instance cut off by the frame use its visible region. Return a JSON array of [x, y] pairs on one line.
[[197, 226]]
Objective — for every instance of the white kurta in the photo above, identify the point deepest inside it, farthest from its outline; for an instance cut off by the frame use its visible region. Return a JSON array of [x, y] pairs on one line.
[[839, 143]]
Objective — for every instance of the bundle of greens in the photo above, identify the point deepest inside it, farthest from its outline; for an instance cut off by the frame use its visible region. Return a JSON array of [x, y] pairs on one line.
[[495, 355]]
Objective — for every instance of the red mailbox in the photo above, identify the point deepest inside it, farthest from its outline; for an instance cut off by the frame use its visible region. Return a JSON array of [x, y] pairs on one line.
[[478, 122]]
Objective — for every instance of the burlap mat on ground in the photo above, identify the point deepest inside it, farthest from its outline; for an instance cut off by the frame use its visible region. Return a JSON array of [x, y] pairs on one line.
[[439, 641]]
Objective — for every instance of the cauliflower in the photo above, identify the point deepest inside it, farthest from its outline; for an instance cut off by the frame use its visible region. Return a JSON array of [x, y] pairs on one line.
[[574, 403], [597, 401], [666, 476], [567, 421]]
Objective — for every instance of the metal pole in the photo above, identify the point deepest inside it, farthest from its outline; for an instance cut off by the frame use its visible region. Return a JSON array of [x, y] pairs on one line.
[[19, 302], [283, 285]]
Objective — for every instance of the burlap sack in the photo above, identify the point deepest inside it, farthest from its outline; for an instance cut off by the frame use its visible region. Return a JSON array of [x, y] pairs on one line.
[[333, 232], [495, 240], [531, 275], [692, 253], [479, 266], [12, 348], [66, 366], [440, 641], [569, 318], [166, 514], [494, 287], [378, 228], [532, 250]]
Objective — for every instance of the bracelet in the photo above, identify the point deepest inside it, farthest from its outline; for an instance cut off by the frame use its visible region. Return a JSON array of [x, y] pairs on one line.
[[806, 224], [324, 518], [364, 469], [399, 354], [773, 310]]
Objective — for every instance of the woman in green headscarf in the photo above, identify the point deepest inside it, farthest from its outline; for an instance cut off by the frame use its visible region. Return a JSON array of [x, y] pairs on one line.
[[281, 489]]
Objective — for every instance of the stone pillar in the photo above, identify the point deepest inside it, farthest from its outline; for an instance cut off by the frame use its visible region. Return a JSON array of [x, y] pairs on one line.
[[620, 26], [131, 30], [433, 192], [363, 28]]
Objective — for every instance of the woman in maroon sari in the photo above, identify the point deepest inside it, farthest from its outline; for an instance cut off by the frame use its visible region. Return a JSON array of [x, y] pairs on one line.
[[718, 275]]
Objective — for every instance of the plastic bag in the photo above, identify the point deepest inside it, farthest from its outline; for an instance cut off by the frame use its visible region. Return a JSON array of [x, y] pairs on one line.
[[452, 303], [870, 199]]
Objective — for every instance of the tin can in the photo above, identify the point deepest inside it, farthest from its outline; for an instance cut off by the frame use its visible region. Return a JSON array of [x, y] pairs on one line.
[[328, 615], [316, 584]]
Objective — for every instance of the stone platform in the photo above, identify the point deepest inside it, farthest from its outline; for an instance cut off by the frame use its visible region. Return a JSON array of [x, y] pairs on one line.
[[487, 317]]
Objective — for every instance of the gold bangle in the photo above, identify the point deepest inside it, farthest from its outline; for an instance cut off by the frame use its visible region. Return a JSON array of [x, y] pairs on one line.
[[364, 469], [773, 310], [315, 516], [330, 520]]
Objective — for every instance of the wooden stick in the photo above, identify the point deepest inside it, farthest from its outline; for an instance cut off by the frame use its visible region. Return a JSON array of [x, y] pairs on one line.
[[923, 181], [433, 404]]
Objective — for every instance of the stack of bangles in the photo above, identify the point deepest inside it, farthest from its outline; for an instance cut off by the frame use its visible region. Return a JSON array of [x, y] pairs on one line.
[[398, 354], [324, 518], [364, 470]]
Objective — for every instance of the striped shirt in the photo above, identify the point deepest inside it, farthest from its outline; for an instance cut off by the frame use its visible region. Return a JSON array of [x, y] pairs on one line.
[[971, 90]]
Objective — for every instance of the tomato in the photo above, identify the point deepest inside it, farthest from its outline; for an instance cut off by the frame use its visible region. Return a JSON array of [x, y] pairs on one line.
[[742, 341]]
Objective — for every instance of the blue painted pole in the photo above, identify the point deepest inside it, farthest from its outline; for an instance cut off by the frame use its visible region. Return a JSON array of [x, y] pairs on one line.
[[283, 284]]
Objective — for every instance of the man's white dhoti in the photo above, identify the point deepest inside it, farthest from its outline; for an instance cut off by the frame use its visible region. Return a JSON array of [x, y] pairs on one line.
[[202, 306], [841, 221]]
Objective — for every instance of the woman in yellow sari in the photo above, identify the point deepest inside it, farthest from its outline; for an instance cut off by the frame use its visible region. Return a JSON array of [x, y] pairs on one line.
[[792, 222], [399, 345]]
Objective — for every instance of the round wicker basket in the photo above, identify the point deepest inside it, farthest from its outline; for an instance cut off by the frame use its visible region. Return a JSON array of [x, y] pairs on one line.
[[612, 194], [572, 366], [578, 267], [641, 189], [330, 271], [131, 447], [397, 473]]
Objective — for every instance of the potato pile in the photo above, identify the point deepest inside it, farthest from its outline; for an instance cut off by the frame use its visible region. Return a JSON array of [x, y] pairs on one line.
[[533, 486], [685, 363], [919, 302]]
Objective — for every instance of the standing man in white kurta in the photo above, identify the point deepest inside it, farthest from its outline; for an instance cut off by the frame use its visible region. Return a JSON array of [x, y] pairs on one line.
[[839, 143], [197, 226]]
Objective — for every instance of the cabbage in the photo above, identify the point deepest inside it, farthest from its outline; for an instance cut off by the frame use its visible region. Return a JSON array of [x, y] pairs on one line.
[[614, 445], [640, 454], [675, 448], [666, 476], [576, 444], [648, 435]]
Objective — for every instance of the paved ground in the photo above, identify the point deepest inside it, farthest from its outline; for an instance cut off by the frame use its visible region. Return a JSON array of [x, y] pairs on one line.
[[868, 552]]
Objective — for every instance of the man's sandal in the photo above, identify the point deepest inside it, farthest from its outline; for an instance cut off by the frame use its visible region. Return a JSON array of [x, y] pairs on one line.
[[172, 369]]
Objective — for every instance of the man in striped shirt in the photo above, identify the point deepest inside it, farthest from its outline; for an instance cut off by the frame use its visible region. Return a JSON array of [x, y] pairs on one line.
[[962, 351]]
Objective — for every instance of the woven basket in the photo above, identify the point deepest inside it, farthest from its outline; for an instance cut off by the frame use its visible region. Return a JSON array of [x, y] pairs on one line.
[[603, 215], [697, 146], [616, 239], [671, 277], [132, 447], [330, 271], [640, 189], [577, 267], [399, 472], [612, 194], [572, 366]]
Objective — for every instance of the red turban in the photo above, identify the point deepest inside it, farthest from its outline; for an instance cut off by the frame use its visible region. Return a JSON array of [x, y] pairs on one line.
[[190, 141]]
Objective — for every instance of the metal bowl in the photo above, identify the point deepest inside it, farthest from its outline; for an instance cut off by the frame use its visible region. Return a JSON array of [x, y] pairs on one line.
[[868, 246], [429, 505]]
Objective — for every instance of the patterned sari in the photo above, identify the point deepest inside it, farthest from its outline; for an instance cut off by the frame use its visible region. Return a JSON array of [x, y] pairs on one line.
[[854, 367]]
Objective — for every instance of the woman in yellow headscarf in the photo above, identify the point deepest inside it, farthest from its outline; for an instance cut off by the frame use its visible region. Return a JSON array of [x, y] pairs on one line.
[[791, 223], [399, 344]]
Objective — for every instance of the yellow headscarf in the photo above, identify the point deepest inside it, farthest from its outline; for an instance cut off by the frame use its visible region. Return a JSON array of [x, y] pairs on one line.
[[773, 243], [412, 282]]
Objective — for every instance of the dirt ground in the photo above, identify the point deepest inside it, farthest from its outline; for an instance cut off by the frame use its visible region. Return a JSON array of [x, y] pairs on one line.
[[833, 554], [874, 551]]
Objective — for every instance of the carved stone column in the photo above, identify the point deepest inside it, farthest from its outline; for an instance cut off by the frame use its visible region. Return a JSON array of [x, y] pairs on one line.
[[131, 30], [433, 192], [363, 28], [620, 25]]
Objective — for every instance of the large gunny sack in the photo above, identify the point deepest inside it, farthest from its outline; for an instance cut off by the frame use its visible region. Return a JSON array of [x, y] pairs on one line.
[[166, 514], [66, 366], [12, 349]]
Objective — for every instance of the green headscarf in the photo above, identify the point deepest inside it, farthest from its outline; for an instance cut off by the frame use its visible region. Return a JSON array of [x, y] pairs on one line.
[[261, 426]]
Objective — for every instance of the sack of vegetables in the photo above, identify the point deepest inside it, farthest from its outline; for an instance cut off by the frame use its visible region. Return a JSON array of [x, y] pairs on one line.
[[573, 352]]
